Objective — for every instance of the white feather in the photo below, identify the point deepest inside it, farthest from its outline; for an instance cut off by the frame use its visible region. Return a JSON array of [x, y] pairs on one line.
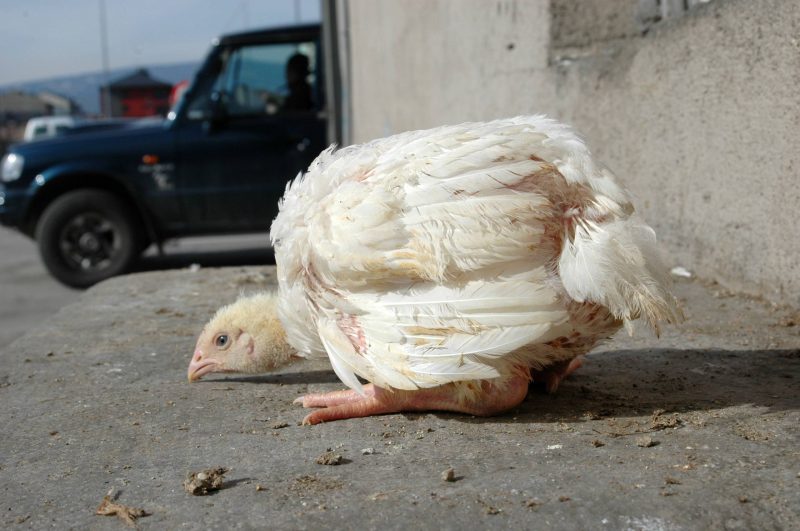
[[342, 354], [449, 254], [617, 265]]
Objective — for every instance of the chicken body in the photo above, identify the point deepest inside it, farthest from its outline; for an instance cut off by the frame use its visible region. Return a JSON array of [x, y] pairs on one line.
[[443, 266]]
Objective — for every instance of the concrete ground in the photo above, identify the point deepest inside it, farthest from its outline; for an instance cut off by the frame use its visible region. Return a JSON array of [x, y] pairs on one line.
[[696, 430], [29, 295]]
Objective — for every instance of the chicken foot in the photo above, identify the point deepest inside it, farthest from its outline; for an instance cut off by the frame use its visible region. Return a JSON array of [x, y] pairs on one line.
[[334, 398], [481, 398]]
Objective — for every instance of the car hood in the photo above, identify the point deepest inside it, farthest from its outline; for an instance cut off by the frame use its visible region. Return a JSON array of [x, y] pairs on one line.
[[93, 138]]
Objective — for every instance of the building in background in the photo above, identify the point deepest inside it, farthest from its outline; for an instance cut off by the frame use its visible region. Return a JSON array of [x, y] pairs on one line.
[[58, 105], [136, 95], [17, 107], [20, 105]]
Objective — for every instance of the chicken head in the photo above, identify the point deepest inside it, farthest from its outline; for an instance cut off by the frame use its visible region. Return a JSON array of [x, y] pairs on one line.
[[243, 337]]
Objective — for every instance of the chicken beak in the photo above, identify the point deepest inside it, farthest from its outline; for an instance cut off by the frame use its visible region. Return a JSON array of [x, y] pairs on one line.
[[199, 366]]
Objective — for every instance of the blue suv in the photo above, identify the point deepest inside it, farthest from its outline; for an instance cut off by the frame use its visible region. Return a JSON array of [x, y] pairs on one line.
[[96, 197]]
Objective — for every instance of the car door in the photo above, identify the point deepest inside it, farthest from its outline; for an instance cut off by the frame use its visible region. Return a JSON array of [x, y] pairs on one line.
[[250, 129]]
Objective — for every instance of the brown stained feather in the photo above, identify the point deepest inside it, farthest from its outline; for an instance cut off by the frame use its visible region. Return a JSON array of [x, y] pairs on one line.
[[352, 329]]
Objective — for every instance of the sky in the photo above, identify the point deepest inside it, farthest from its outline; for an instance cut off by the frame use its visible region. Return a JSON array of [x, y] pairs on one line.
[[48, 38]]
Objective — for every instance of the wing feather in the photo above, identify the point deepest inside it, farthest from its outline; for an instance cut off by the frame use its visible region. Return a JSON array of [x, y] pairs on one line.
[[346, 363], [442, 249]]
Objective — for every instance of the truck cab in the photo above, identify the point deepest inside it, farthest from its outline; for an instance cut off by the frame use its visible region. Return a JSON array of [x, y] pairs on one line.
[[251, 120]]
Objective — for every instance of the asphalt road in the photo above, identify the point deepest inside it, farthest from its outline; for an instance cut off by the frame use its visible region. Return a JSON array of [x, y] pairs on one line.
[[29, 295]]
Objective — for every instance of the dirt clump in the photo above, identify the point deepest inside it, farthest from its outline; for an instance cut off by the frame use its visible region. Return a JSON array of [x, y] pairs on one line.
[[330, 458], [201, 483], [307, 484], [109, 507]]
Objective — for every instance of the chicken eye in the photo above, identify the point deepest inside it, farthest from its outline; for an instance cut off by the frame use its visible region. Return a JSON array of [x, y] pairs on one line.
[[221, 341]]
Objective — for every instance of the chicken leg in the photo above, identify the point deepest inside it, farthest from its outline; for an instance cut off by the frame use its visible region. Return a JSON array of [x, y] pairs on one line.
[[553, 375], [481, 398]]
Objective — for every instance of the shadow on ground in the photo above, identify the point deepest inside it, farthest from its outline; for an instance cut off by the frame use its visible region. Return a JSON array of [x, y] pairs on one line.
[[241, 257], [634, 382], [628, 383]]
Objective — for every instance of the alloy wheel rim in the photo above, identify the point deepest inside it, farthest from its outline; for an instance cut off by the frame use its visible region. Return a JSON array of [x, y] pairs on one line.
[[89, 242]]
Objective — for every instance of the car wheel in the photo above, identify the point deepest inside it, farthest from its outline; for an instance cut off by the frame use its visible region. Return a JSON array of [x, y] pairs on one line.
[[87, 236]]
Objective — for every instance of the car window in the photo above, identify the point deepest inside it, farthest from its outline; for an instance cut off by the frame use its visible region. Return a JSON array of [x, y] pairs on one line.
[[264, 79]]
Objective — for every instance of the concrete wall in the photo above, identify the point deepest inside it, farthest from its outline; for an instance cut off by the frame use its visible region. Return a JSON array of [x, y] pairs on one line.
[[699, 115], [421, 63]]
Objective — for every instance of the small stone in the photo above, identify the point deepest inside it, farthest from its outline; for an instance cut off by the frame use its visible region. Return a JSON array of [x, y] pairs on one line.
[[671, 481], [259, 488], [279, 425], [743, 499], [597, 443], [367, 451], [645, 441], [330, 458], [564, 498], [449, 475]]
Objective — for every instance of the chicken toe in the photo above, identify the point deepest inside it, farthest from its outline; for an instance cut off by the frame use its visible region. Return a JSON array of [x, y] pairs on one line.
[[334, 398]]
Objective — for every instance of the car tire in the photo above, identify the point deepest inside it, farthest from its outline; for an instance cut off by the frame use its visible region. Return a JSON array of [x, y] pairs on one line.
[[86, 236]]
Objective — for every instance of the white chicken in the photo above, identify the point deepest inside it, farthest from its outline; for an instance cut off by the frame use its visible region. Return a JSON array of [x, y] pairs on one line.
[[447, 267]]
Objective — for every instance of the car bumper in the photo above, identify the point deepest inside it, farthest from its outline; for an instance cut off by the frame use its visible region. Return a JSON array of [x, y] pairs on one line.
[[11, 206]]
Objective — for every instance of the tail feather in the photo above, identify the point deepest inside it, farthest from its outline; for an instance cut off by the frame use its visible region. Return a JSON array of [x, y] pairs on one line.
[[617, 264]]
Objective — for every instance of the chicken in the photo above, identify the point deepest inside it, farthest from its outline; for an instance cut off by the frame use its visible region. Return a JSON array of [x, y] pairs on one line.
[[448, 268]]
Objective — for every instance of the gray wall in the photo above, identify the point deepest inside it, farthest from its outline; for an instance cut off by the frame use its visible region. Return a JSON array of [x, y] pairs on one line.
[[698, 114]]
